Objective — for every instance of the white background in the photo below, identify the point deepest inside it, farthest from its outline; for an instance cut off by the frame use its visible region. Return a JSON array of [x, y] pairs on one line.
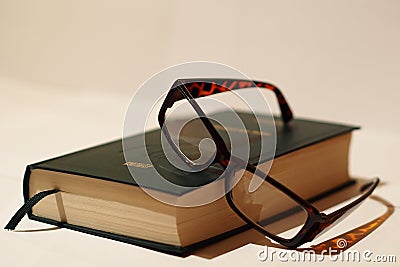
[[69, 68]]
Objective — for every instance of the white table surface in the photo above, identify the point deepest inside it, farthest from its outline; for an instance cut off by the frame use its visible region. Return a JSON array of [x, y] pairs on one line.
[[38, 123]]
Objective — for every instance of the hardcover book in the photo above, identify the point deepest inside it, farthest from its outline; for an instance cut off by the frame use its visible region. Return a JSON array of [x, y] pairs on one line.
[[97, 194]]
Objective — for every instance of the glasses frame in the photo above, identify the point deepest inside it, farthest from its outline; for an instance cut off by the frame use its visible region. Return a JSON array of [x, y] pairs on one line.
[[317, 222]]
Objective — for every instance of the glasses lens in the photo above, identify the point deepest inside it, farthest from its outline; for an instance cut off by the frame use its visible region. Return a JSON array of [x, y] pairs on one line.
[[267, 206]]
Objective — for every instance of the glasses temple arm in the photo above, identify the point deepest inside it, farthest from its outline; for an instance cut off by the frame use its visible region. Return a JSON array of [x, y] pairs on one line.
[[209, 86]]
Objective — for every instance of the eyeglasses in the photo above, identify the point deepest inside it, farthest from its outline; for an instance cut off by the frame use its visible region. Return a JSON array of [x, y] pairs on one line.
[[253, 207]]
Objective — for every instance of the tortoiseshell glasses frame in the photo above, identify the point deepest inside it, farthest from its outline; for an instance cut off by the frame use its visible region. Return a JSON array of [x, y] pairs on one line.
[[316, 222]]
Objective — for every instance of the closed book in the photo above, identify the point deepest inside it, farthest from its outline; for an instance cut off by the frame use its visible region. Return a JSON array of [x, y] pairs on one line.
[[97, 194]]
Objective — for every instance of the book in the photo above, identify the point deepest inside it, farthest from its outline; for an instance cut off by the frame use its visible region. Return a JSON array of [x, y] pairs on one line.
[[97, 194]]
